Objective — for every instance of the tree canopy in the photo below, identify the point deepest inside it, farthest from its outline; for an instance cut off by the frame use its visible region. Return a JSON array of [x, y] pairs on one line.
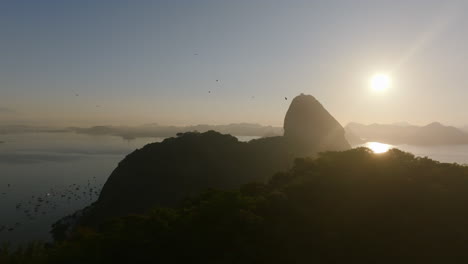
[[353, 206]]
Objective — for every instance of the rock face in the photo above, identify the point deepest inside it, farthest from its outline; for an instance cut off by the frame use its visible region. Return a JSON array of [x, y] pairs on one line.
[[166, 172], [310, 128]]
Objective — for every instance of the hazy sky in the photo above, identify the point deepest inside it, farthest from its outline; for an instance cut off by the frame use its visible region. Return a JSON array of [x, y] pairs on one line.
[[134, 62]]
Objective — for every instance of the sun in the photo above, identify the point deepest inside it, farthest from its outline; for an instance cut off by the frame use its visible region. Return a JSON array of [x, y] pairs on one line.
[[380, 82]]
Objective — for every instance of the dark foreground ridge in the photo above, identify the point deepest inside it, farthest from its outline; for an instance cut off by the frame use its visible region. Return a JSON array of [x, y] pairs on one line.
[[343, 207], [167, 172]]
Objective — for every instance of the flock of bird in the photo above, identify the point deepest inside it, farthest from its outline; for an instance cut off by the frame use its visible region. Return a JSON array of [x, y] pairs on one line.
[[218, 83], [38, 206]]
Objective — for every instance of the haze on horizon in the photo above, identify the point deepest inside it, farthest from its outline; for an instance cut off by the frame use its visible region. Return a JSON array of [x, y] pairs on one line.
[[218, 62]]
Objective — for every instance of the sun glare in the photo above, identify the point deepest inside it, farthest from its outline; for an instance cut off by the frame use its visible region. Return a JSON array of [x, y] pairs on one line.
[[380, 82], [377, 147]]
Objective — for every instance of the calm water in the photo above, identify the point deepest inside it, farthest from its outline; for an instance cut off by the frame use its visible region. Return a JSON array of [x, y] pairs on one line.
[[46, 176], [43, 177], [451, 154]]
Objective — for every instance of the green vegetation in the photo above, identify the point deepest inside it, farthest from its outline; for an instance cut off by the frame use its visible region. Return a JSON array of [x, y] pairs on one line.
[[343, 207]]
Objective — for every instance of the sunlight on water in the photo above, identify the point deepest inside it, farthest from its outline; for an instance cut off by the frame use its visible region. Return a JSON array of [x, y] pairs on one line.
[[377, 147]]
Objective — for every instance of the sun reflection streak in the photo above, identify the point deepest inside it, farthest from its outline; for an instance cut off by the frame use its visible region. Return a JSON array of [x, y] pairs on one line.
[[377, 147]]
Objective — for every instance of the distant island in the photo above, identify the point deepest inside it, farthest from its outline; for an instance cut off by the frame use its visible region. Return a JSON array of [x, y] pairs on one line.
[[149, 130], [156, 130], [20, 129], [356, 133], [404, 133]]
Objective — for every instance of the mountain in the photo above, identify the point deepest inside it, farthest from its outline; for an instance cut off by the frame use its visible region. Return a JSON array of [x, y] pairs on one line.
[[309, 127], [465, 129], [431, 134], [165, 173]]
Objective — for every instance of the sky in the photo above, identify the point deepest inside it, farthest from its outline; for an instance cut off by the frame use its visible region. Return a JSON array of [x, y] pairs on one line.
[[115, 62]]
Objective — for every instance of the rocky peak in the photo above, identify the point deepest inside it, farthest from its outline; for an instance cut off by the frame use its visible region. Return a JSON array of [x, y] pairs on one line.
[[309, 124]]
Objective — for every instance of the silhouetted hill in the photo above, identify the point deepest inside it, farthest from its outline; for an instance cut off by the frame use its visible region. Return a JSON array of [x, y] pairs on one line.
[[343, 207], [164, 173], [309, 126], [155, 130], [431, 134]]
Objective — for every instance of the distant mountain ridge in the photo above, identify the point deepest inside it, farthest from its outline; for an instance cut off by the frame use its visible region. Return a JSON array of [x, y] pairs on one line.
[[155, 130], [464, 128], [149, 130], [19, 129], [432, 134]]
